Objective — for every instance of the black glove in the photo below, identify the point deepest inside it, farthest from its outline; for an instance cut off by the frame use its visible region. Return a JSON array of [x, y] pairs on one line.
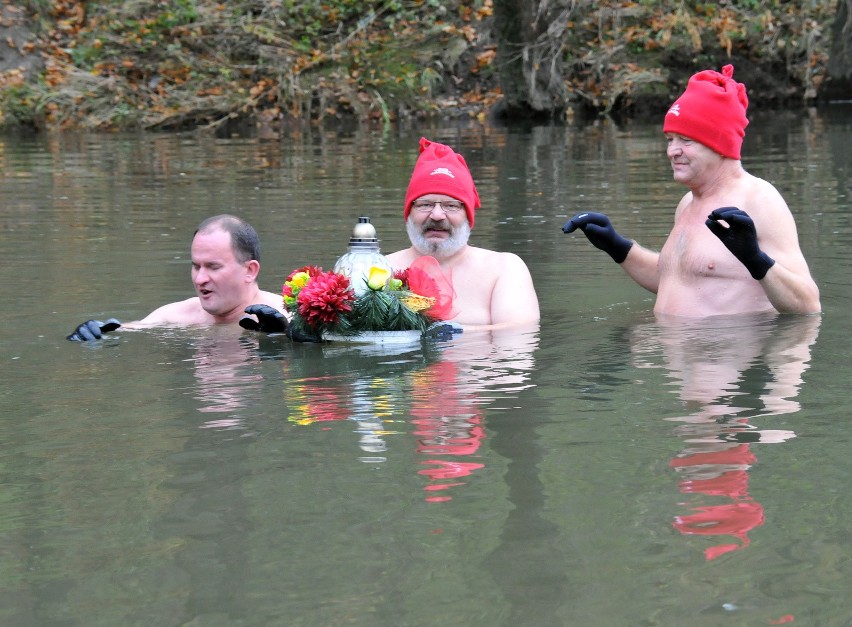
[[270, 320], [93, 330], [442, 330], [598, 229], [740, 237]]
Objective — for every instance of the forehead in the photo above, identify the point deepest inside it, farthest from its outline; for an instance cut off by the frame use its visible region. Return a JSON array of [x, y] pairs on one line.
[[214, 245]]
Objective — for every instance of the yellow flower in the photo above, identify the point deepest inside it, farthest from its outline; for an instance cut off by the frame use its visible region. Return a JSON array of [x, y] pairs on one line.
[[378, 277], [299, 280], [415, 302]]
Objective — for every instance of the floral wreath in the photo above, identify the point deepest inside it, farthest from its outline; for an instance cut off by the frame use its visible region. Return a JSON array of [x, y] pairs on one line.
[[406, 300]]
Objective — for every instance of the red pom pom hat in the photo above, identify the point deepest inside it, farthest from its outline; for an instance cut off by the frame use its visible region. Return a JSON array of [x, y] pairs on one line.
[[441, 170], [711, 111]]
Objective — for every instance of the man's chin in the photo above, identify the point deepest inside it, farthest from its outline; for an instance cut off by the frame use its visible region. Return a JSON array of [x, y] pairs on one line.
[[209, 304], [427, 248]]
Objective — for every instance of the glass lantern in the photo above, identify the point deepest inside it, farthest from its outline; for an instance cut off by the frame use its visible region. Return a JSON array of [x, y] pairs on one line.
[[363, 254]]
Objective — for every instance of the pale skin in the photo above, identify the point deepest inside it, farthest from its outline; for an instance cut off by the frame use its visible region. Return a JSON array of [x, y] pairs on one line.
[[224, 287], [695, 274], [493, 290]]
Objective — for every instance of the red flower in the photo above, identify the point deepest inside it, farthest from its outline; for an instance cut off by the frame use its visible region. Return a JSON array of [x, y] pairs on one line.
[[324, 298]]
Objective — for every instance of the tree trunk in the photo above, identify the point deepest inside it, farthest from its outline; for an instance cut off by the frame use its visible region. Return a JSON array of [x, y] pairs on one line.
[[529, 50], [838, 82]]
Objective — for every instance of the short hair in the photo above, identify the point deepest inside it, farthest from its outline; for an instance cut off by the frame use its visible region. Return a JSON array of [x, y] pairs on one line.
[[244, 240]]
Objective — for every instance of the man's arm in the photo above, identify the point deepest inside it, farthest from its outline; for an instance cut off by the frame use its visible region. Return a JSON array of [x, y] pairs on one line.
[[788, 284], [181, 312], [639, 263], [791, 292], [167, 314], [642, 265], [514, 300], [766, 241]]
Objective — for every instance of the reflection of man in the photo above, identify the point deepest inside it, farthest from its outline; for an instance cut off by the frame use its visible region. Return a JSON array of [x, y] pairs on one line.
[[491, 288], [224, 364], [734, 246], [719, 473], [449, 429], [753, 366], [473, 373]]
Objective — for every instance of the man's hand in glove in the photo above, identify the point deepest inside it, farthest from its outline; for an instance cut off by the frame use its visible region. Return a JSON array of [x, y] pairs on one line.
[[598, 229], [442, 330], [270, 320], [93, 330], [740, 237]]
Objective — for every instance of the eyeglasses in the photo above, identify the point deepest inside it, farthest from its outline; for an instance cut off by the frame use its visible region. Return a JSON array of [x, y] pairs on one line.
[[450, 207]]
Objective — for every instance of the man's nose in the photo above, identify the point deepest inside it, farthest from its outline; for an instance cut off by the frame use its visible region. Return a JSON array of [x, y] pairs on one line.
[[438, 207]]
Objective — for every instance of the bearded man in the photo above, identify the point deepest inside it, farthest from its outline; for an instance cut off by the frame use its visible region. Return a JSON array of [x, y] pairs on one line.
[[492, 289]]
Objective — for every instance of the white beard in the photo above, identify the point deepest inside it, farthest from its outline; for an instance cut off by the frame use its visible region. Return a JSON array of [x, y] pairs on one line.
[[440, 249]]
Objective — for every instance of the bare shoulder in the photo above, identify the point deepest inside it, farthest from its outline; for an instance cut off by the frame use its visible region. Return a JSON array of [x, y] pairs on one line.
[[401, 259], [774, 222], [187, 311], [272, 299], [762, 197], [496, 259], [683, 204]]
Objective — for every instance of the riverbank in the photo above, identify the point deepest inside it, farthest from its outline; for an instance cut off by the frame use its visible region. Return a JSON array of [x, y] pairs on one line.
[[190, 64]]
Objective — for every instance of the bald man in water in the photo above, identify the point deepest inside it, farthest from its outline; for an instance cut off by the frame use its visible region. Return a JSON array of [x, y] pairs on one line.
[[225, 256]]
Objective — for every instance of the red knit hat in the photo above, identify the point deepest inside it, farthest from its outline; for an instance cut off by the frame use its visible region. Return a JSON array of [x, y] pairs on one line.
[[440, 170], [712, 111]]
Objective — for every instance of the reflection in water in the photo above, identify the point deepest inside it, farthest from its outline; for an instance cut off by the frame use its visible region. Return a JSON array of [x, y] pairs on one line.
[[118, 505], [447, 424], [441, 390], [450, 397], [729, 371], [365, 392], [225, 362]]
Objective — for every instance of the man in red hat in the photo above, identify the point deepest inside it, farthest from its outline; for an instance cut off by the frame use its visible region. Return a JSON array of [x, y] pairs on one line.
[[492, 289], [734, 247]]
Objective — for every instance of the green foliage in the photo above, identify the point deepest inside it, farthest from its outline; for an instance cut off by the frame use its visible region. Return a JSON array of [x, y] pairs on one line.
[[200, 62], [383, 310], [619, 50], [38, 7], [18, 104]]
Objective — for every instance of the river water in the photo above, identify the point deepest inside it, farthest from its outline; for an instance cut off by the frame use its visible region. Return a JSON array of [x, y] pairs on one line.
[[603, 469]]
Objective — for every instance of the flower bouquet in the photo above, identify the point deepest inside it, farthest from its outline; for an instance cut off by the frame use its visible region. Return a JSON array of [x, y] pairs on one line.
[[324, 304]]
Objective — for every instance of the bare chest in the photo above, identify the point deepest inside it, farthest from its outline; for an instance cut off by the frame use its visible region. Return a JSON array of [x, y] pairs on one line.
[[473, 291], [700, 276], [692, 251]]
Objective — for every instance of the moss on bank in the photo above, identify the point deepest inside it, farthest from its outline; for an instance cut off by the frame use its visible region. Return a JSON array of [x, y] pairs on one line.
[[150, 64]]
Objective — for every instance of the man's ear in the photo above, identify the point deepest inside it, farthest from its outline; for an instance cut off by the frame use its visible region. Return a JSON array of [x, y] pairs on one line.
[[252, 270]]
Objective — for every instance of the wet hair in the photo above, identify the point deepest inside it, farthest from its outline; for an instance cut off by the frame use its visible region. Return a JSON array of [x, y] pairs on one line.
[[244, 240]]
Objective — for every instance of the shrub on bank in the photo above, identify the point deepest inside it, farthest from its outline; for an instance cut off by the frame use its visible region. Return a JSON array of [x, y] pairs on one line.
[[188, 63]]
